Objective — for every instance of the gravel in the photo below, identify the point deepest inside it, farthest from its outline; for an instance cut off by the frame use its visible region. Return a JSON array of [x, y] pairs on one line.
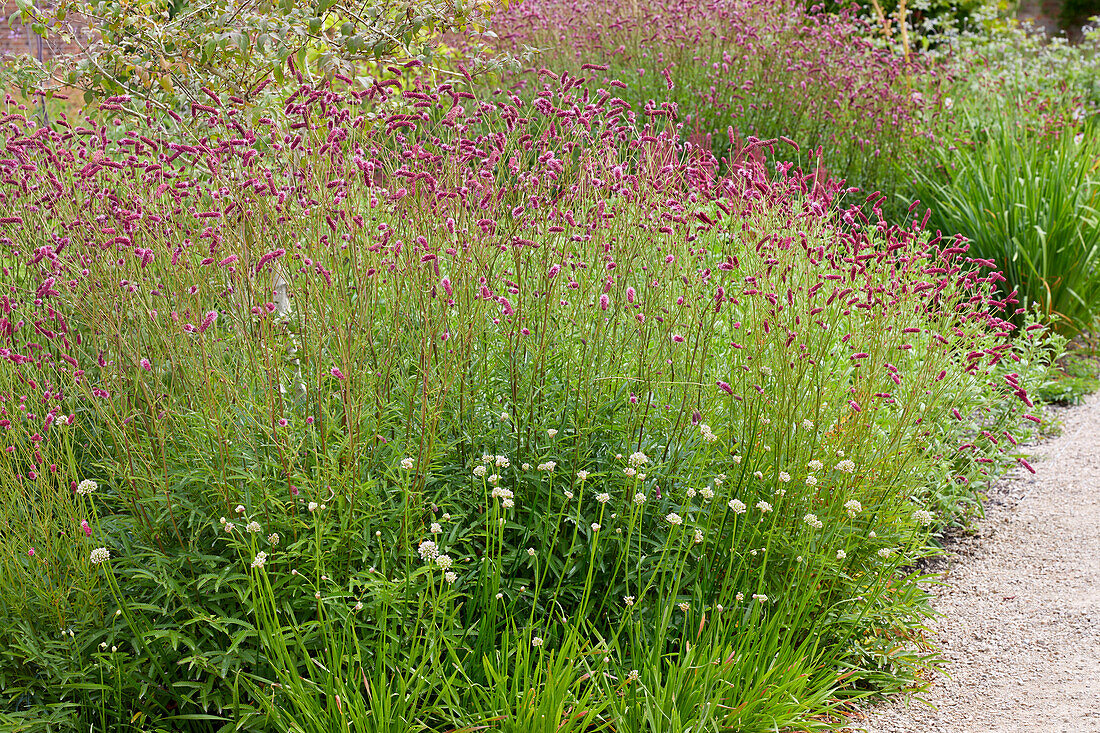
[[1020, 624]]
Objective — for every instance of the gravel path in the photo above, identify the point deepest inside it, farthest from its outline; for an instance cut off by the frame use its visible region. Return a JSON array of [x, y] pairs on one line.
[[1021, 604]]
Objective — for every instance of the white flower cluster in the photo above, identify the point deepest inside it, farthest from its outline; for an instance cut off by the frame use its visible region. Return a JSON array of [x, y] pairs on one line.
[[638, 459], [813, 521], [86, 487], [707, 493], [707, 433], [428, 551], [846, 466], [853, 507], [548, 466], [923, 517], [99, 554], [506, 497], [261, 558], [674, 519], [764, 506], [737, 506], [407, 464]]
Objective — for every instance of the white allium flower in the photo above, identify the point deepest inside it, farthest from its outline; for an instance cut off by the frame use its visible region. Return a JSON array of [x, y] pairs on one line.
[[641, 477], [273, 538], [707, 493], [885, 552], [737, 506], [813, 521], [444, 562], [815, 465], [841, 554], [407, 464], [630, 471], [759, 475], [628, 600], [737, 460], [595, 527], [674, 519], [719, 479], [582, 475], [923, 517], [229, 527], [536, 641], [502, 462], [684, 606], [632, 676], [780, 492], [253, 526], [807, 424], [261, 558], [691, 493], [698, 536], [603, 497], [526, 466], [764, 506], [508, 503], [428, 551], [436, 528], [99, 554], [358, 606], [86, 487], [240, 509], [853, 507], [552, 433], [707, 433], [872, 535], [494, 479], [846, 466], [811, 480], [638, 459], [446, 516], [740, 596], [531, 551], [760, 597], [312, 506], [639, 498], [548, 466], [480, 471], [500, 596], [504, 417], [784, 477], [486, 458], [450, 576], [568, 494]]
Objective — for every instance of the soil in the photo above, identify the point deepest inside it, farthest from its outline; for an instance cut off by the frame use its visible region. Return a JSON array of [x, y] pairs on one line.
[[1020, 604]]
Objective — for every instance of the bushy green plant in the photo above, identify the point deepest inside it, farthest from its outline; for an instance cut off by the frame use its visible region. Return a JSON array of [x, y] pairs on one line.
[[1027, 202], [437, 419]]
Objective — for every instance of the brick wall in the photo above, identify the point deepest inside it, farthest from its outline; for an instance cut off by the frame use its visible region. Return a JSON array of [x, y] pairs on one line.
[[16, 39]]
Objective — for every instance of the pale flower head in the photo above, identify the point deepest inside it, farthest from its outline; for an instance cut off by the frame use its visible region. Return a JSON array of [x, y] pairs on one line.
[[603, 497], [638, 459], [480, 471], [737, 506], [582, 475], [261, 558], [639, 498], [86, 487], [853, 507], [674, 519], [253, 526], [99, 554], [428, 551], [764, 506], [407, 464]]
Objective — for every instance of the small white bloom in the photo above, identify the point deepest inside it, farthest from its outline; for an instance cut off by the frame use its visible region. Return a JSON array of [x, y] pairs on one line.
[[502, 462], [407, 464], [784, 477], [923, 517], [446, 516], [760, 597], [811, 480], [628, 600], [531, 551], [674, 519], [595, 527], [508, 503], [603, 497], [436, 528], [536, 641], [815, 465], [737, 506], [707, 493], [807, 424], [632, 676], [450, 576], [240, 509], [764, 506], [698, 536], [639, 498], [312, 506], [273, 538], [582, 475], [253, 526], [261, 558], [480, 471], [229, 527], [99, 554], [846, 466], [885, 552], [684, 606], [500, 596], [813, 521], [766, 371], [86, 487], [737, 460], [853, 507], [630, 472], [552, 432], [358, 606], [740, 596], [759, 475], [548, 466], [504, 417], [568, 494], [841, 554], [428, 551], [444, 562], [486, 458], [638, 459], [872, 535], [719, 479], [495, 478]]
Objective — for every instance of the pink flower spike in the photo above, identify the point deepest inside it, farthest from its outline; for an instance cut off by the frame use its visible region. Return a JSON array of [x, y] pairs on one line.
[[30, 552], [337, 373], [1025, 464], [605, 302], [725, 387], [84, 526]]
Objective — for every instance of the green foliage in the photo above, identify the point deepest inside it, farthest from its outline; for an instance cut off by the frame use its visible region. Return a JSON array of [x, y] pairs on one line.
[[1029, 202]]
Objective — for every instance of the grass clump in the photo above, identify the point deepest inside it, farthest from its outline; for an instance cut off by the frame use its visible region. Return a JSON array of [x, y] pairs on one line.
[[483, 414]]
